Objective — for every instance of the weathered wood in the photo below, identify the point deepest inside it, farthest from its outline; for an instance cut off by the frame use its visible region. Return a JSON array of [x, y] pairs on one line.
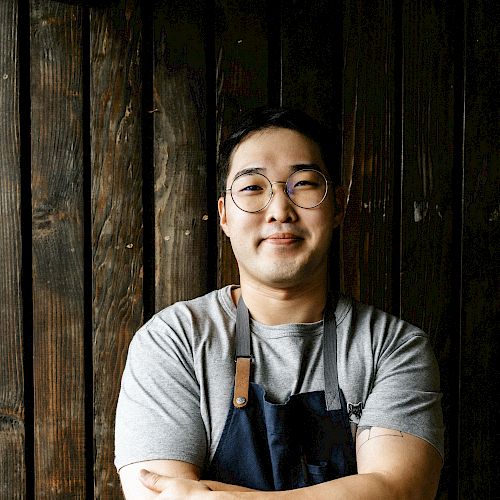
[[12, 464], [241, 47], [428, 208], [368, 151], [311, 61], [480, 374], [115, 102], [179, 152], [57, 211]]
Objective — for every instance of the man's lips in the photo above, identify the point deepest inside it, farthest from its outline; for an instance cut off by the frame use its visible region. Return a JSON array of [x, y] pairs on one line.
[[282, 238]]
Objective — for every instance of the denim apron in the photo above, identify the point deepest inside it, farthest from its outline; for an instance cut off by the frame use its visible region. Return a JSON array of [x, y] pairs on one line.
[[302, 442]]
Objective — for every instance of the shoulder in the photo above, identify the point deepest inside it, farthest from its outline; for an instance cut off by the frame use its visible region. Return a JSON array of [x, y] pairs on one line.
[[184, 317], [373, 343], [186, 328], [212, 303], [366, 324]]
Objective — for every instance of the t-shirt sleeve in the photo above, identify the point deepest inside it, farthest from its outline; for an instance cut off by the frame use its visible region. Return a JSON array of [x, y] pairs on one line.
[[405, 394], [158, 413]]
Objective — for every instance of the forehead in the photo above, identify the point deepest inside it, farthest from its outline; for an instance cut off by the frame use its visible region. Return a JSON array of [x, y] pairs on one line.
[[275, 150]]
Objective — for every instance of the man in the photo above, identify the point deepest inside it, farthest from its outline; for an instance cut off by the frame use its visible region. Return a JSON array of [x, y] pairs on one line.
[[279, 387]]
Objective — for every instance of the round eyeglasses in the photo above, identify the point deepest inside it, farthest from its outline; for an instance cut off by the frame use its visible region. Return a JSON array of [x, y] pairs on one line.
[[253, 191]]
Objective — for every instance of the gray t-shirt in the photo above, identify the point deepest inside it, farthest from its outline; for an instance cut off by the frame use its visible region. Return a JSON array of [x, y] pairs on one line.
[[177, 383]]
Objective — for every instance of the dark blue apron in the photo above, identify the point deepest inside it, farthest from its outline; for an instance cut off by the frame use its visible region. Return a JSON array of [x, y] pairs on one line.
[[304, 441]]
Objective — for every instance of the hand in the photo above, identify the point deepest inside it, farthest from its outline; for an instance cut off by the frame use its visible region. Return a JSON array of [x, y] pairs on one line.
[[172, 487]]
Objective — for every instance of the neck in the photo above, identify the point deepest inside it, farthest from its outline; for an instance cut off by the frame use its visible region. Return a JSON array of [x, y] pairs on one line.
[[276, 306]]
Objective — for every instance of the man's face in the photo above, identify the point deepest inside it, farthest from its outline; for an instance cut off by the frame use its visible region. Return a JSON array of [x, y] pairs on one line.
[[283, 245]]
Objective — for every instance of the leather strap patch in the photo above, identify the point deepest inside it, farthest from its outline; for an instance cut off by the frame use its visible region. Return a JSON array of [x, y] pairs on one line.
[[241, 382]]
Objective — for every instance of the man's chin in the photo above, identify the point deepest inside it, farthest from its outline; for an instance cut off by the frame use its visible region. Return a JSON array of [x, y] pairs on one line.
[[284, 275]]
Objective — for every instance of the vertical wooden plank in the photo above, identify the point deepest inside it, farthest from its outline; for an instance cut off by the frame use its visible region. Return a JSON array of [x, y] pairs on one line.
[[57, 201], [368, 151], [311, 65], [117, 255], [12, 465], [241, 47], [480, 374], [181, 216], [428, 36]]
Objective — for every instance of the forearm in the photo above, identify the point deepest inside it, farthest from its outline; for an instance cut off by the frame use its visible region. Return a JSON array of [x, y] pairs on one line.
[[218, 486], [391, 467], [360, 486]]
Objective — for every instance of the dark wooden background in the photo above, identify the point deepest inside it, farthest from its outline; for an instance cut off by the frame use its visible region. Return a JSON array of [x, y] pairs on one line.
[[111, 115]]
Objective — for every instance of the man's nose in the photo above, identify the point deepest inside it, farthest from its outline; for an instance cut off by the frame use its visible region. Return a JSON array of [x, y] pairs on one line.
[[280, 208]]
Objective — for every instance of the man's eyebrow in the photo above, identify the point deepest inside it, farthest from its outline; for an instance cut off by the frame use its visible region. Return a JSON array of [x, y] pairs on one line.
[[300, 166], [293, 168], [251, 170]]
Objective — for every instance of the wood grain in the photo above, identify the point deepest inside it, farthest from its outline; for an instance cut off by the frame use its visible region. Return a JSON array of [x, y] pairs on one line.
[[57, 211], [427, 163], [180, 175], [428, 34], [480, 374], [117, 246], [311, 57], [368, 151], [241, 46], [12, 432]]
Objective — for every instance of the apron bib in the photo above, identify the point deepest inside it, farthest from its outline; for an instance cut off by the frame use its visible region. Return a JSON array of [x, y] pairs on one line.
[[302, 442]]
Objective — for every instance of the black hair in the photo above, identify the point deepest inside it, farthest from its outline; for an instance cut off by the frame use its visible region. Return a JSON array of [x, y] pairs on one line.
[[264, 118]]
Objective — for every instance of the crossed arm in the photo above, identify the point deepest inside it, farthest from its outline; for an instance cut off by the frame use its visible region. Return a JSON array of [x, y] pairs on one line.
[[391, 464]]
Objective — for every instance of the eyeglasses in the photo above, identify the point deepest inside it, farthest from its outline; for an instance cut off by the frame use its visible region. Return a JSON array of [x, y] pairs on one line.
[[252, 192]]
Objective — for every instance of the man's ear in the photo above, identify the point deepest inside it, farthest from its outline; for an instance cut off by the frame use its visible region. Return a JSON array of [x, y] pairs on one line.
[[221, 207], [339, 204]]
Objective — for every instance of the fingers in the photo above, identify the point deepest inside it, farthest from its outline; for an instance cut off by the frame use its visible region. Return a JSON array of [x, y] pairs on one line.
[[173, 487], [153, 481]]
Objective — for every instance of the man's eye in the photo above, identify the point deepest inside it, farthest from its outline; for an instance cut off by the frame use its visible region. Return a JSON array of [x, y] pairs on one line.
[[305, 184], [251, 188]]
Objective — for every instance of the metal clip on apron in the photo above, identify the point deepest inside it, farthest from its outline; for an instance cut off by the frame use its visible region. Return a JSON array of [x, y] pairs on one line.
[[304, 441]]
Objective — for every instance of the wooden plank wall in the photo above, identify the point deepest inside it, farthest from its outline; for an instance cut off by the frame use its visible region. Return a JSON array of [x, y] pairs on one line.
[[428, 208], [480, 371], [115, 196], [57, 247], [111, 115], [12, 404]]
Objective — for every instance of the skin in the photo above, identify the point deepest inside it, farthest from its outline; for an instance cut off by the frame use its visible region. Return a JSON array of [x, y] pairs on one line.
[[282, 255]]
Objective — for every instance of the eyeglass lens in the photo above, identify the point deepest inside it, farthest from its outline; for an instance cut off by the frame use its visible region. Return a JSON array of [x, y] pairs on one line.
[[253, 191]]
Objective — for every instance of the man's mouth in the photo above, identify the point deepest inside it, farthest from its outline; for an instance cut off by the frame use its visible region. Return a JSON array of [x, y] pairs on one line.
[[282, 238]]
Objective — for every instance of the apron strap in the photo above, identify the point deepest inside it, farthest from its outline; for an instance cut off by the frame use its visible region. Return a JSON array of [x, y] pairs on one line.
[[241, 382], [332, 390], [243, 348], [244, 356]]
